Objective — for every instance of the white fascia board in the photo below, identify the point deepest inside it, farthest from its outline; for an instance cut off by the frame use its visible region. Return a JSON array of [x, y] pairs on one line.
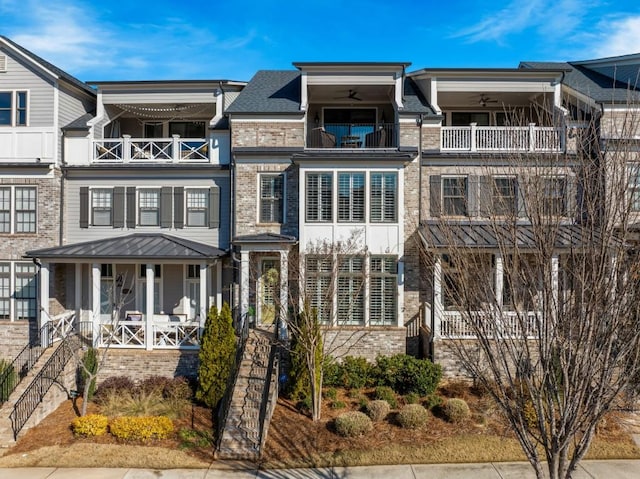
[[294, 117], [348, 78], [30, 60], [304, 93], [444, 85], [580, 96]]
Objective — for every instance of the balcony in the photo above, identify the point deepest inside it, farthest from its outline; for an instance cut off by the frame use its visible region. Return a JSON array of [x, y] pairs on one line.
[[353, 136], [152, 150], [26, 144], [475, 138]]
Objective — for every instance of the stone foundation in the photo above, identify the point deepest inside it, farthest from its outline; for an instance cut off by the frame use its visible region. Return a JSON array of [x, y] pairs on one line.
[[14, 336], [140, 364], [368, 343]]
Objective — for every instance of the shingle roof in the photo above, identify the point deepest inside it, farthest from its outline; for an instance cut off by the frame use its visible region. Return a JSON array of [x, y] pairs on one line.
[[269, 91], [135, 246], [80, 123], [477, 235], [599, 87], [414, 101], [49, 66]]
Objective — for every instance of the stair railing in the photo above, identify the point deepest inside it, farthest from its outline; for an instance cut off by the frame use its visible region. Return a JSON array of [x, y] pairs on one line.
[[265, 410]]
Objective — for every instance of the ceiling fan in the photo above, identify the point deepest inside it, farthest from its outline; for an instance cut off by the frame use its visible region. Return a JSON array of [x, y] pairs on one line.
[[484, 99], [352, 95]]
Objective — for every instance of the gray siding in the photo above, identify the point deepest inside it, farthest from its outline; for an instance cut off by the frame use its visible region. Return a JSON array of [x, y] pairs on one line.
[[171, 97], [72, 105], [23, 76], [218, 237]]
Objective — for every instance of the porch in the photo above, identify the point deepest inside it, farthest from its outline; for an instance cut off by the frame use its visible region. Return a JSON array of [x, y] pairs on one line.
[[474, 138], [155, 150], [141, 291]]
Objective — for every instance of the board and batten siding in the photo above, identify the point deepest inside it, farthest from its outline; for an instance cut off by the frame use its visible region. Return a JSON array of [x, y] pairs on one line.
[[218, 237], [25, 77]]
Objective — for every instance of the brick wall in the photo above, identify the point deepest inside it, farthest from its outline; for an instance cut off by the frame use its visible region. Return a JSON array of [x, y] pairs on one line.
[[620, 123], [270, 135], [13, 337], [368, 343], [140, 364]]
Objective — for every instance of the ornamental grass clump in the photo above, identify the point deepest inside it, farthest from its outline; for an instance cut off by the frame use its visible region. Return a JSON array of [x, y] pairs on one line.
[[90, 425], [456, 410], [413, 416], [378, 410], [353, 424]]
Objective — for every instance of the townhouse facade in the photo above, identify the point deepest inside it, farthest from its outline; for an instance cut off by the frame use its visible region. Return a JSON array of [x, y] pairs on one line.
[[314, 187]]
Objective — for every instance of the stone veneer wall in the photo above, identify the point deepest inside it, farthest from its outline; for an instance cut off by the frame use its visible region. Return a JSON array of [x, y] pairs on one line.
[[267, 135], [368, 343], [141, 364], [620, 123], [14, 336]]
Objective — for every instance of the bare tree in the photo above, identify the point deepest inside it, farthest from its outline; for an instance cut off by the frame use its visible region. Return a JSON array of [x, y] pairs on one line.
[[538, 295]]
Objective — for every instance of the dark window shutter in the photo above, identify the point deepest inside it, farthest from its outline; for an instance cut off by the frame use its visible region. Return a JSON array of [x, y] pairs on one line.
[[572, 194], [485, 197], [84, 207], [473, 193], [131, 207], [178, 207], [214, 207], [118, 207], [520, 192], [435, 196], [166, 206]]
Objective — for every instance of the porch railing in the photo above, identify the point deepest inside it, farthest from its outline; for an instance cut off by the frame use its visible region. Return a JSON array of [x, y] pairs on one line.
[[151, 150], [502, 138], [352, 135], [133, 334], [176, 335], [508, 324]]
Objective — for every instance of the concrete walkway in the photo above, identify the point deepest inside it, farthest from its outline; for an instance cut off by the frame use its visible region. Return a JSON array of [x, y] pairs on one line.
[[618, 469]]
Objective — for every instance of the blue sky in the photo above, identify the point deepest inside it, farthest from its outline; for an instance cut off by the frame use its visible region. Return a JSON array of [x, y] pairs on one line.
[[194, 39]]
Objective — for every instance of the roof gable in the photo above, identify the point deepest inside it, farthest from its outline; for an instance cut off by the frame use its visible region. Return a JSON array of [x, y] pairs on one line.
[[269, 91]]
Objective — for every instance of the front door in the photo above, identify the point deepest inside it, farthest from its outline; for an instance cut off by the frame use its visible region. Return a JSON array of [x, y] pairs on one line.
[[268, 290]]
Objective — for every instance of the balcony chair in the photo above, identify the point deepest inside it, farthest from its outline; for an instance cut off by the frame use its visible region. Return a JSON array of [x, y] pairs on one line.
[[376, 139], [322, 139]]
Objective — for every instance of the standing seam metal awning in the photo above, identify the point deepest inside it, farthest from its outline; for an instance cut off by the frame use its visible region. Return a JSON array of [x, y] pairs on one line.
[[138, 246]]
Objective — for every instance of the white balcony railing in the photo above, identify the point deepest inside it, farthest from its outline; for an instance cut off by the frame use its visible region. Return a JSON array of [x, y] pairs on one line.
[[509, 324], [163, 334], [529, 138], [26, 144], [151, 150]]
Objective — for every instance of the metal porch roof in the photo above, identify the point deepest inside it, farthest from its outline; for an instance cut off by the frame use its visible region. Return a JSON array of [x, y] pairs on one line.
[[143, 246]]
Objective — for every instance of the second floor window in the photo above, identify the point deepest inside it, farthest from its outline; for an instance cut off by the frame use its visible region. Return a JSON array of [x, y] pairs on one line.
[[197, 207], [504, 197], [271, 198], [102, 207], [384, 197], [454, 196], [13, 108], [633, 186], [319, 198], [554, 196], [18, 209], [149, 207], [351, 197]]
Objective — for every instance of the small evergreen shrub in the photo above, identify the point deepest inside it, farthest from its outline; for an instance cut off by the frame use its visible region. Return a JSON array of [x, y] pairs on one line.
[[354, 394], [90, 425], [351, 373], [433, 401], [456, 410], [412, 398], [337, 405], [114, 385], [331, 393], [90, 363], [378, 410], [385, 393], [406, 374], [304, 405], [353, 424], [413, 416], [141, 428]]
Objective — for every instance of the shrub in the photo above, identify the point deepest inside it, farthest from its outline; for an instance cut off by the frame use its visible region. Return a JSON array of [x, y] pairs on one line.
[[456, 410], [338, 405], [352, 424], [90, 425], [413, 416], [143, 428], [89, 369], [304, 405], [178, 388], [7, 380], [406, 374], [432, 401], [385, 393], [355, 372], [412, 398], [216, 355], [378, 410], [331, 393], [153, 385], [190, 438], [331, 373], [114, 385]]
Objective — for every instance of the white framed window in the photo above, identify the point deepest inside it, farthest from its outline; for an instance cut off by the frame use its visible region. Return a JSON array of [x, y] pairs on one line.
[[192, 285], [319, 197], [26, 291], [271, 197], [106, 289], [13, 108], [554, 195], [633, 186], [101, 207], [197, 202], [351, 197], [350, 292], [384, 197], [18, 209], [504, 196], [5, 291], [319, 275], [149, 207], [383, 291], [454, 196]]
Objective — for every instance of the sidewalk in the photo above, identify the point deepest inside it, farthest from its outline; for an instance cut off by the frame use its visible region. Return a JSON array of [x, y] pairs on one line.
[[616, 469]]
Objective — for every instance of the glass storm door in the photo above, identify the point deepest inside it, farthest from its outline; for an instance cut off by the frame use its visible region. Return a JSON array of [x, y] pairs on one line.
[[268, 290]]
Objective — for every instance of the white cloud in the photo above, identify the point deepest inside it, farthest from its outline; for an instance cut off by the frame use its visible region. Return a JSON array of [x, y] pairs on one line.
[[617, 37]]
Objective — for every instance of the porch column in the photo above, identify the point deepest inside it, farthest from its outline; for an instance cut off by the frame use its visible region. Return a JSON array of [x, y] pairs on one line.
[[44, 300], [95, 298], [284, 290], [150, 287], [78, 290], [219, 285], [499, 280], [437, 296], [554, 285], [244, 286], [203, 293]]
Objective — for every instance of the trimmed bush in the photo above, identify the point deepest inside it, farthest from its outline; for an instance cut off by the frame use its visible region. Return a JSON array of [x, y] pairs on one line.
[[143, 428], [153, 385], [406, 374], [114, 385], [456, 410], [351, 373], [413, 416], [353, 424], [331, 393], [378, 410], [433, 400], [178, 388], [90, 425], [385, 393], [337, 405], [412, 398]]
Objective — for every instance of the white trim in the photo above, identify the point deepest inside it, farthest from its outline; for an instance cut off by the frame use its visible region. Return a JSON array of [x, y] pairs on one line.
[[218, 285], [56, 122], [204, 288]]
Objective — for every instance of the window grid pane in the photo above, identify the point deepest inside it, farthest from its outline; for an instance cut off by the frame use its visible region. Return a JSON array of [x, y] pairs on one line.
[[383, 291], [633, 186], [149, 204], [350, 291], [554, 195], [5, 107], [504, 196], [318, 286], [5, 210], [5, 291], [197, 207], [25, 210], [454, 196], [25, 293], [271, 195], [21, 108], [351, 197], [383, 197], [319, 199]]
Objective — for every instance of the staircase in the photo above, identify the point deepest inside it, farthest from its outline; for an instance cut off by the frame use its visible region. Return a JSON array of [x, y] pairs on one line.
[[253, 398]]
